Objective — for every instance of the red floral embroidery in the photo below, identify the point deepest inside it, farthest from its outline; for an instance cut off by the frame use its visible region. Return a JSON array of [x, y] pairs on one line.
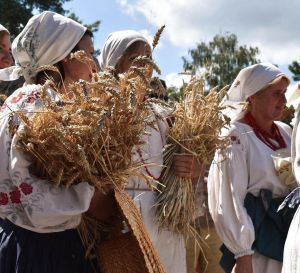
[[15, 196], [17, 98], [33, 97], [3, 199], [26, 188]]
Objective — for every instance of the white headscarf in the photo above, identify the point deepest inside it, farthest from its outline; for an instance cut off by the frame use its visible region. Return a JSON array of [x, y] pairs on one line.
[[116, 44], [249, 81], [46, 39], [2, 28]]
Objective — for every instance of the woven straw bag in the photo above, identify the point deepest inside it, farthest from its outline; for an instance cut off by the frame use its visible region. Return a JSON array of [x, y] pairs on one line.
[[121, 254], [130, 252]]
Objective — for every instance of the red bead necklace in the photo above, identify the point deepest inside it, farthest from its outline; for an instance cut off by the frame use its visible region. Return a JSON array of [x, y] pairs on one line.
[[264, 136], [145, 166]]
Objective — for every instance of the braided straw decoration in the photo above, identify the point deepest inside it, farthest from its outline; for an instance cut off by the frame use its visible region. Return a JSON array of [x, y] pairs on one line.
[[133, 251]]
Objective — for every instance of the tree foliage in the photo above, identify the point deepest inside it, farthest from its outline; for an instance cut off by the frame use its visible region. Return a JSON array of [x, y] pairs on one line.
[[16, 13], [93, 27], [220, 60], [174, 93], [294, 67]]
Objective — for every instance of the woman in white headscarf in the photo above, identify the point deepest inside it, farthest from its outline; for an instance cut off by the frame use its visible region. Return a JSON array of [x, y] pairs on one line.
[[242, 181], [119, 51], [38, 221]]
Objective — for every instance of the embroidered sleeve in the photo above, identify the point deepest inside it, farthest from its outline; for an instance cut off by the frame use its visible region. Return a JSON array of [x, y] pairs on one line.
[[45, 205], [227, 188]]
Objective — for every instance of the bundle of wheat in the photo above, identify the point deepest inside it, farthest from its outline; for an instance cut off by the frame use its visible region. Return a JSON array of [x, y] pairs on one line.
[[89, 135], [198, 121]]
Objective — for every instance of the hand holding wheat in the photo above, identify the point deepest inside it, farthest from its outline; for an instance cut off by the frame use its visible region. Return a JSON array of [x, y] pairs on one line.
[[188, 166], [198, 120]]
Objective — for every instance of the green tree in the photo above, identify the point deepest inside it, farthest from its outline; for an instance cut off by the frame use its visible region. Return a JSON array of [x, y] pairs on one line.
[[220, 60], [15, 13], [294, 67], [174, 93], [93, 27]]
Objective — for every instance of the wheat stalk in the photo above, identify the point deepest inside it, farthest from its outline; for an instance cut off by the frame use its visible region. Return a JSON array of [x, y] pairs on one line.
[[198, 121], [157, 36], [89, 135]]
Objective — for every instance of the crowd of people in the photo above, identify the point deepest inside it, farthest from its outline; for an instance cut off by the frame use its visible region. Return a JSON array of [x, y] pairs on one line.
[[38, 221]]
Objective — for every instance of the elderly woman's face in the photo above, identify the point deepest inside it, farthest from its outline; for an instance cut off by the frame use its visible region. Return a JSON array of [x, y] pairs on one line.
[[139, 49], [6, 59], [271, 101]]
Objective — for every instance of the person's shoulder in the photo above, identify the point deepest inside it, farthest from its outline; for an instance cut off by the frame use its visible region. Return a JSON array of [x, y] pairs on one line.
[[236, 133], [21, 98], [284, 126], [161, 108], [235, 128], [26, 89]]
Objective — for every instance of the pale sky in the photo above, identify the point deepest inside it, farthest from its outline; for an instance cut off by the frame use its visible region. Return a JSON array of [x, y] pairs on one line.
[[272, 25]]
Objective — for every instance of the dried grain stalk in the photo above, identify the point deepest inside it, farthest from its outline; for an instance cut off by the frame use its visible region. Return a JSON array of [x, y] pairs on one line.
[[198, 121], [157, 36], [89, 135]]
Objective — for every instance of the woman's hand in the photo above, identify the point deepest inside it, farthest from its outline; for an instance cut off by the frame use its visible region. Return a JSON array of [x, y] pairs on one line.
[[243, 265], [188, 166], [103, 206]]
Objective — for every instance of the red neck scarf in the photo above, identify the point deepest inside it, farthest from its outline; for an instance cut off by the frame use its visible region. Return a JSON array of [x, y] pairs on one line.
[[264, 136]]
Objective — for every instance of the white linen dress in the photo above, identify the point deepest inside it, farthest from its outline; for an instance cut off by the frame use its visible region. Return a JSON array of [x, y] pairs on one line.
[[170, 247], [246, 166]]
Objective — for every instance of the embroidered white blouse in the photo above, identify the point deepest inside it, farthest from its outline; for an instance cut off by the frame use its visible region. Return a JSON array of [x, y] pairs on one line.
[[245, 166], [25, 200]]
